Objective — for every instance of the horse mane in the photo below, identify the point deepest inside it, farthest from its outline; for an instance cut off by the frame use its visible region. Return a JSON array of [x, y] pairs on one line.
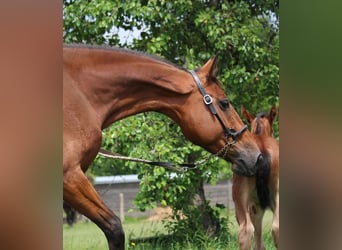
[[258, 116], [138, 53], [264, 169], [123, 50]]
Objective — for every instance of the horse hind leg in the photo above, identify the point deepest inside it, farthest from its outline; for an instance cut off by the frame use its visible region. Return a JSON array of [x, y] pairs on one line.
[[80, 194], [70, 214]]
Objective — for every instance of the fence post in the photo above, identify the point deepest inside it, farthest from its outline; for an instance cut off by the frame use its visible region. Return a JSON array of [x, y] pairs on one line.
[[122, 211]]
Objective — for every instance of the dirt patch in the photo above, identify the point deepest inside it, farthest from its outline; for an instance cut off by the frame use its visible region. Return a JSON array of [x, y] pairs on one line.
[[163, 213], [160, 213]]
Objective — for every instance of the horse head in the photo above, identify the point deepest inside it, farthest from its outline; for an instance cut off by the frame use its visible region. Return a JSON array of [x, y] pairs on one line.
[[211, 121], [261, 124]]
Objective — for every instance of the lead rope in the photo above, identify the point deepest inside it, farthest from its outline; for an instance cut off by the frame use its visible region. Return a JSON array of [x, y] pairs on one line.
[[177, 167]]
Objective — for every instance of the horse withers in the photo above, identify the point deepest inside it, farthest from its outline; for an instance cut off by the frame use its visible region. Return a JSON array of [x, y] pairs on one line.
[[253, 195], [102, 85]]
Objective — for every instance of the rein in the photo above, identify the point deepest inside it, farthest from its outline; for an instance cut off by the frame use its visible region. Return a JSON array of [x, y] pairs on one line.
[[183, 167]]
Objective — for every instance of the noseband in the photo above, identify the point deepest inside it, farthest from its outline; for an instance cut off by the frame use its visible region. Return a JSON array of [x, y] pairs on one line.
[[208, 100]]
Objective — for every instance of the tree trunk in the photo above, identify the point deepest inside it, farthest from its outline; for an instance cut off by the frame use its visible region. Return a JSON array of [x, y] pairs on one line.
[[208, 220]]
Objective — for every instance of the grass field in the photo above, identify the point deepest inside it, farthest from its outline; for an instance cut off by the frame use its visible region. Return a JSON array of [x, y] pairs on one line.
[[86, 235]]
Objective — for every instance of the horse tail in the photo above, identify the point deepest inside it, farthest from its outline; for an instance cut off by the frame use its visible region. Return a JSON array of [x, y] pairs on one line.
[[262, 180]]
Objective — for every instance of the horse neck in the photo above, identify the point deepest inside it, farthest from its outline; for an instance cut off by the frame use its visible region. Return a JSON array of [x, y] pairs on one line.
[[120, 86]]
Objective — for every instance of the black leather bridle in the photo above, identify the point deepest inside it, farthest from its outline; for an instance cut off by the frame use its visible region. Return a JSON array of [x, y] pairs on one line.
[[208, 100]]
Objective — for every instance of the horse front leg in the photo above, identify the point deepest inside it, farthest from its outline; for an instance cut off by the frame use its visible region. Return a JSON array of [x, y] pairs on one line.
[[241, 195], [275, 224], [80, 194], [257, 214]]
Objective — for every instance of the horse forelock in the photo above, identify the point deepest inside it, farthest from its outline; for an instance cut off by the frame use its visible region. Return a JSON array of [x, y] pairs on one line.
[[258, 129], [262, 114], [219, 83], [125, 51]]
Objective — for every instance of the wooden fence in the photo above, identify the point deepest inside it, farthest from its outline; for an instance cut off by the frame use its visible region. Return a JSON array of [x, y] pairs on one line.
[[118, 193]]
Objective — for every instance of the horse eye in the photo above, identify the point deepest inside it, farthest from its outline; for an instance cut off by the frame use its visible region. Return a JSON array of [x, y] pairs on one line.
[[224, 104]]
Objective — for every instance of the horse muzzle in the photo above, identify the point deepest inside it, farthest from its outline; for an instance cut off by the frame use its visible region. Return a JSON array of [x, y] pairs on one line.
[[240, 167]]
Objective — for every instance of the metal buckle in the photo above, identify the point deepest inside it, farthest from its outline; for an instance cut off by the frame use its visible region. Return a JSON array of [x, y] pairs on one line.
[[207, 99]]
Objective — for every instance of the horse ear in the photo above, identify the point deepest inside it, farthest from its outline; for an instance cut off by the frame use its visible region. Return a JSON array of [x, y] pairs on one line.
[[249, 117], [210, 67], [213, 69], [272, 114]]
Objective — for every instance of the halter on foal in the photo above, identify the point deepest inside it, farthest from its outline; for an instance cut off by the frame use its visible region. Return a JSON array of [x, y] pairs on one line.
[[252, 195], [103, 85]]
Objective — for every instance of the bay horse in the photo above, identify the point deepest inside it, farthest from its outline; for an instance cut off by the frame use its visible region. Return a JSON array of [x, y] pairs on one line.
[[253, 195], [102, 85]]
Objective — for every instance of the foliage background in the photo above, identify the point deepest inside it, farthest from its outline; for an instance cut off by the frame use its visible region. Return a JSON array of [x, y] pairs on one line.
[[187, 33]]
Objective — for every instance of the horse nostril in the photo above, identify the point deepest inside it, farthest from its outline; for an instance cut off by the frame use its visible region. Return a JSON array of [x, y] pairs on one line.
[[260, 159]]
